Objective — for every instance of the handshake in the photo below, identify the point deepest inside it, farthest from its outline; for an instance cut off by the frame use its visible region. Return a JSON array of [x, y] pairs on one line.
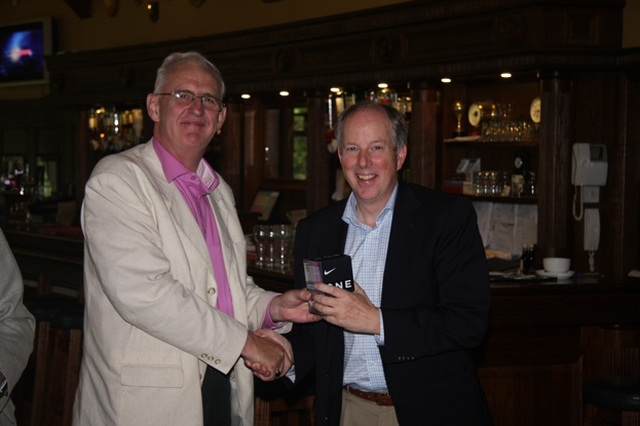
[[269, 354], [331, 295]]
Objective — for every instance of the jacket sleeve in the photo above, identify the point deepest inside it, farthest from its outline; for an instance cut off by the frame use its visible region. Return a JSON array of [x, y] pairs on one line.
[[441, 297], [17, 325]]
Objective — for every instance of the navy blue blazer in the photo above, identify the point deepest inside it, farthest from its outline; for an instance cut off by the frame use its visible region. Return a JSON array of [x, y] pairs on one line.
[[435, 305]]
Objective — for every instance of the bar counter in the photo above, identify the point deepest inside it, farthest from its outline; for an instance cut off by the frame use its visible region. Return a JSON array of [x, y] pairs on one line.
[[545, 337]]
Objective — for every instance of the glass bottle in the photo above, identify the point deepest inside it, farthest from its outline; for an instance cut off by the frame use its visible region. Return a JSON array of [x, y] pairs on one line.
[[531, 186]]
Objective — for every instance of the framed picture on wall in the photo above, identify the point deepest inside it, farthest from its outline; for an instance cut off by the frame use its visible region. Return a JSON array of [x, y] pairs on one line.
[[264, 202]]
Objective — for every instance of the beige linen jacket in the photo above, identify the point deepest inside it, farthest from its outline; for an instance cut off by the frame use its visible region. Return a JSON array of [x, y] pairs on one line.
[[17, 327], [150, 323]]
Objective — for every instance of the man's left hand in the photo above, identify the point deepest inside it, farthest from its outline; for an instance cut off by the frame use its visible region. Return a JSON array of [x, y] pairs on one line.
[[352, 311]]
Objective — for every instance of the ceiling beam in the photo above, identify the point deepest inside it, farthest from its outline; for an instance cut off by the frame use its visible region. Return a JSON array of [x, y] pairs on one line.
[[82, 8]]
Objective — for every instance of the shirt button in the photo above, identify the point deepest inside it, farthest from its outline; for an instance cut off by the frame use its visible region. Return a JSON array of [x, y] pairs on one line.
[[217, 361], [211, 291]]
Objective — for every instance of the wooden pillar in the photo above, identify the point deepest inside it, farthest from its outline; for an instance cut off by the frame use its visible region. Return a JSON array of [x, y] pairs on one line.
[[425, 134], [231, 150], [556, 139], [251, 143], [319, 179]]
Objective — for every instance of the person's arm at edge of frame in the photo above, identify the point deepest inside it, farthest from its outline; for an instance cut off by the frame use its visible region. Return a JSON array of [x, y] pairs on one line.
[[17, 325]]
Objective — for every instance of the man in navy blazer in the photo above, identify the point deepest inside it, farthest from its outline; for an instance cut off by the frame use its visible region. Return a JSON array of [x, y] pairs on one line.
[[399, 349]]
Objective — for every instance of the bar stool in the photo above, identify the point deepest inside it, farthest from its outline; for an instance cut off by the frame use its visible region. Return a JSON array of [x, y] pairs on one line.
[[29, 393], [62, 376], [611, 390], [612, 401]]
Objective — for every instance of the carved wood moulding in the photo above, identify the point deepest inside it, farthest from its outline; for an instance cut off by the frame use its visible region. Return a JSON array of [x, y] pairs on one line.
[[414, 40]]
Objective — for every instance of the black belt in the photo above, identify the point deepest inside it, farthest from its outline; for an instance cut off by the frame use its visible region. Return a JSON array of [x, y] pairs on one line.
[[377, 397]]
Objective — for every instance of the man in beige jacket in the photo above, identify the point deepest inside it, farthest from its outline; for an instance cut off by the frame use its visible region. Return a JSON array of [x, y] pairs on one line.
[[168, 299]]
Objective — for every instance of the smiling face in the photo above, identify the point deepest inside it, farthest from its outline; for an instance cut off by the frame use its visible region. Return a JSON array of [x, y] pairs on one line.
[[185, 130], [369, 159]]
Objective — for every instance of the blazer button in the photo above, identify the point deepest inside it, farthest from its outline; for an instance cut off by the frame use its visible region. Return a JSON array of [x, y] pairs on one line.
[[211, 291]]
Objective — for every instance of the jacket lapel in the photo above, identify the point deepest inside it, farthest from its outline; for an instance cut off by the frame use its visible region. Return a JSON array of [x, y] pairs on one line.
[[403, 229], [190, 234]]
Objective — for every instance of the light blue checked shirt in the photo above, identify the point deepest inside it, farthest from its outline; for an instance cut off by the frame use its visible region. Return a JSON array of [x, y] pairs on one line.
[[368, 250]]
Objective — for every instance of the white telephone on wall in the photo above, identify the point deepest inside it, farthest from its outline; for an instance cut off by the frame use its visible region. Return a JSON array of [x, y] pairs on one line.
[[588, 172], [589, 164]]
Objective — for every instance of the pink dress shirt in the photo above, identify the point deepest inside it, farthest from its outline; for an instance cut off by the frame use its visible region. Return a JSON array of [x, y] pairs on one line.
[[195, 187]]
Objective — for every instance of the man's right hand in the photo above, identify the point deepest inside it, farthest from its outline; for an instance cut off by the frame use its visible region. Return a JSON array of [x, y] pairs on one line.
[[267, 358]]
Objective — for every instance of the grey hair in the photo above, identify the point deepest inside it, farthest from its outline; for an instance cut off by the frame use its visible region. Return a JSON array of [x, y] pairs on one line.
[[399, 126], [179, 58]]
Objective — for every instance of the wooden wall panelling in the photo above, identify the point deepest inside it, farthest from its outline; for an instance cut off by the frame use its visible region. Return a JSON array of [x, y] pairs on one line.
[[285, 154], [630, 254], [253, 150], [625, 180], [596, 121]]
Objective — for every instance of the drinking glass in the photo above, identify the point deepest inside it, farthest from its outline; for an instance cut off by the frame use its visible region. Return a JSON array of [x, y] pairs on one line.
[[282, 241], [261, 237], [271, 247]]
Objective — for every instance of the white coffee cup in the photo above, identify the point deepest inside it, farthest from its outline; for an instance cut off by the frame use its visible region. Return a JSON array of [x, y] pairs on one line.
[[556, 264]]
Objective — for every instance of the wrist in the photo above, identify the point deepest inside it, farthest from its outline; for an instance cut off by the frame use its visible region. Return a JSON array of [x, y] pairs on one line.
[[248, 343], [273, 310]]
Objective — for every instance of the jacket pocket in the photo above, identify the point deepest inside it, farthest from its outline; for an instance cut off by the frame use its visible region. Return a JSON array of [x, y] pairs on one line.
[[159, 376]]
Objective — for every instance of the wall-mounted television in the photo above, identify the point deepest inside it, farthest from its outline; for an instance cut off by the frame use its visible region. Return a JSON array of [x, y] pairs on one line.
[[24, 46]]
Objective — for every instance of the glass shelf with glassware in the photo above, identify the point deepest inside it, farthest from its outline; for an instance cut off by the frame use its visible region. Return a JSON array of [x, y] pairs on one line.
[[114, 129], [479, 143]]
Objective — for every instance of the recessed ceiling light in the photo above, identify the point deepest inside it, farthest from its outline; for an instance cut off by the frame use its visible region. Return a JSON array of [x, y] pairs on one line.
[[383, 85], [445, 80], [245, 96], [284, 93], [505, 75]]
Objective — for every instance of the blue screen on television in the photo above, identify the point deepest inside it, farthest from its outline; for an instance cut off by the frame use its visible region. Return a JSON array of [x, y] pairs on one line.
[[23, 52]]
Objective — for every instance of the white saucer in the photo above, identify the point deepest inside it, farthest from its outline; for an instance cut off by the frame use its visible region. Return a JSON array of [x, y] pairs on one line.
[[543, 273]]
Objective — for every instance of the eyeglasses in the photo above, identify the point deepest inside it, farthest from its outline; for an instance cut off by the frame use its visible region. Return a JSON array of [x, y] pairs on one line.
[[185, 97]]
